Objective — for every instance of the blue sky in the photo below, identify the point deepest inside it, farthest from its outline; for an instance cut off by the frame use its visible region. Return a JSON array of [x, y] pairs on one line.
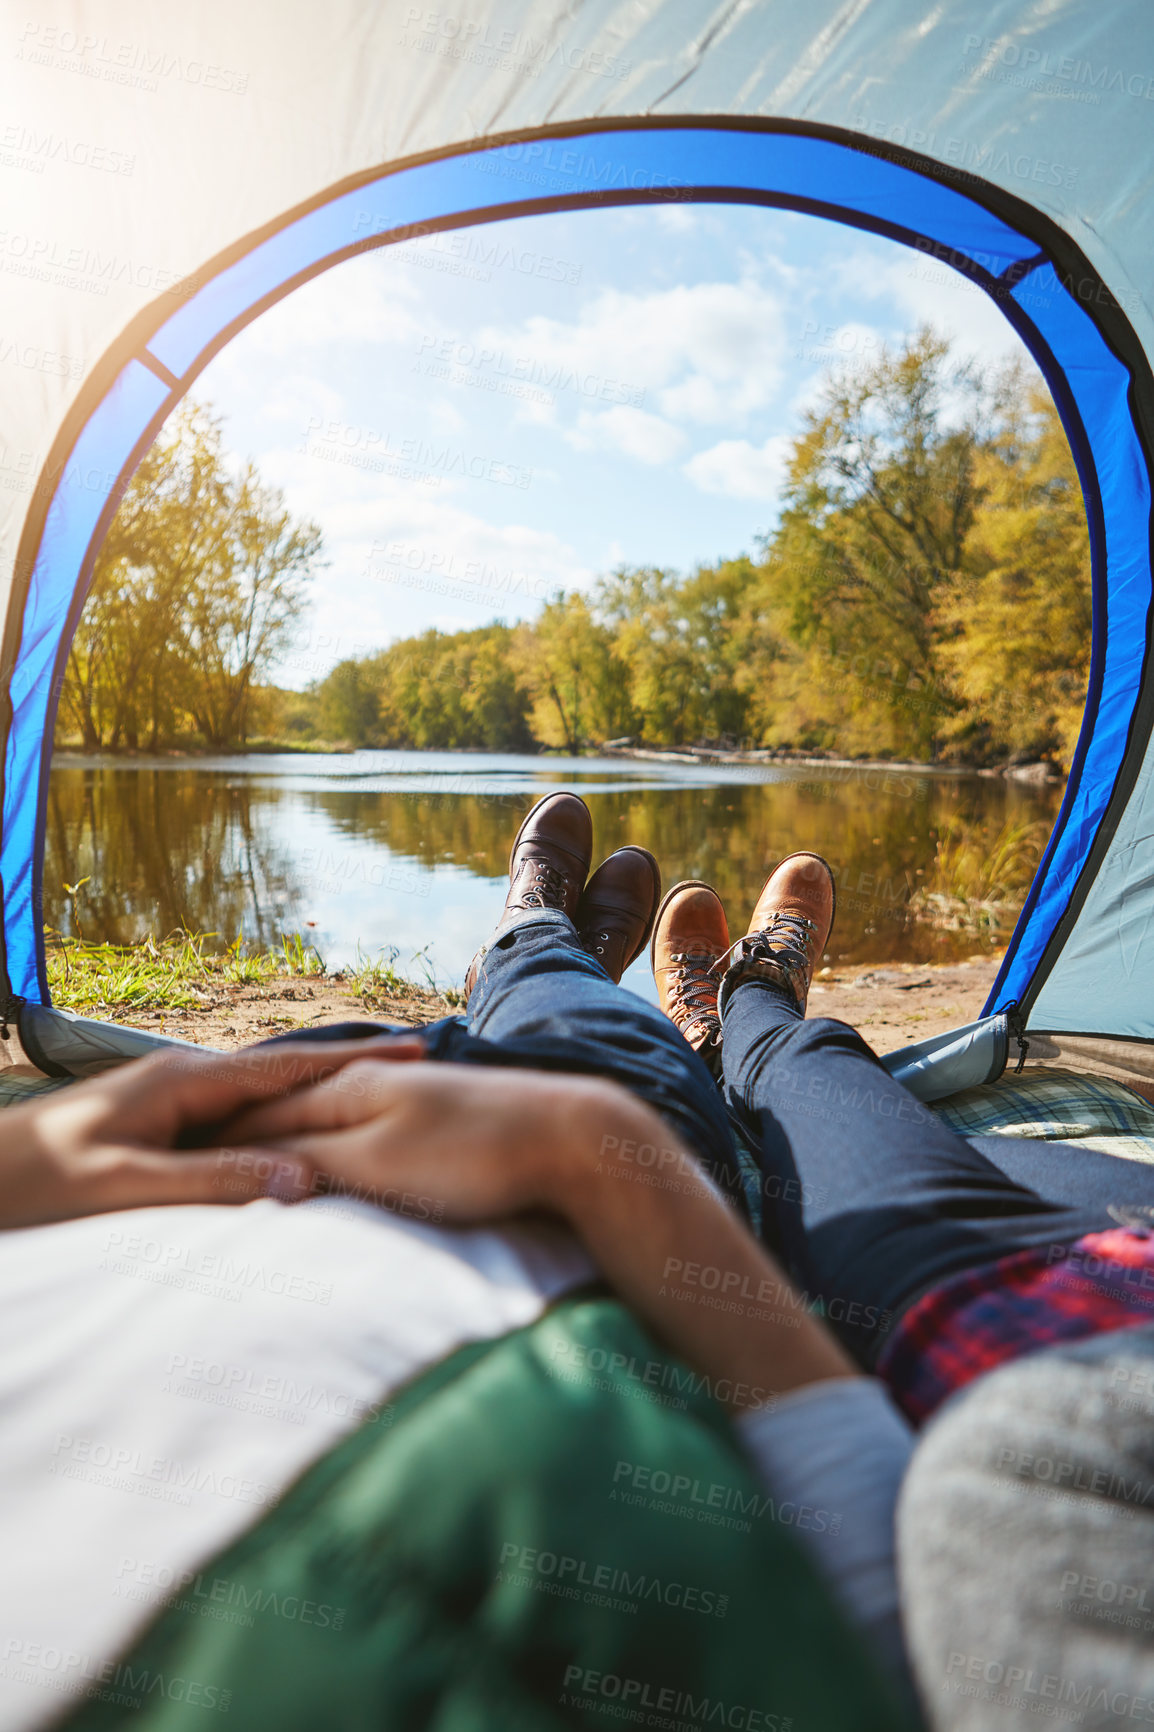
[[479, 419]]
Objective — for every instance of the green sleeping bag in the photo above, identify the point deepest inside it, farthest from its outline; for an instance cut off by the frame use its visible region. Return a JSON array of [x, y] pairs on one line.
[[552, 1530]]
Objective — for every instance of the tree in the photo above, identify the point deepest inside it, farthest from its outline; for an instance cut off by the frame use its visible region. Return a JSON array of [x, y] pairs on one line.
[[566, 660], [194, 592], [677, 645], [452, 691], [242, 610], [1015, 626], [924, 593], [880, 498], [349, 704]]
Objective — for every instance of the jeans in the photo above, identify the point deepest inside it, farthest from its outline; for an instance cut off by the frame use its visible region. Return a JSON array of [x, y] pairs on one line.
[[871, 1200], [543, 1003], [867, 1198]]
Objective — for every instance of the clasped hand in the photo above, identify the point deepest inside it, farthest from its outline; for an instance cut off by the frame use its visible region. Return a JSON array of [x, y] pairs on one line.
[[289, 1120]]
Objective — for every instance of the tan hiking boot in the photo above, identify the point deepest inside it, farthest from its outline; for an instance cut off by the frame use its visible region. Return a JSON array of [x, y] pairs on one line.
[[617, 908], [788, 930], [690, 945], [548, 864]]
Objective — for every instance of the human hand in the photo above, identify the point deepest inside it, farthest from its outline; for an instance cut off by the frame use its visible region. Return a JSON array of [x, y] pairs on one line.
[[484, 1143], [113, 1142]]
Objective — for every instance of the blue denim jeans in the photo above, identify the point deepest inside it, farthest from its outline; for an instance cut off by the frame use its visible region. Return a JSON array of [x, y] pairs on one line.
[[543, 1003], [870, 1200]]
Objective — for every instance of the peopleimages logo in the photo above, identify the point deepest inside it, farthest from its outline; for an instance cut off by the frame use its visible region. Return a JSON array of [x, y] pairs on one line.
[[680, 1494], [1069, 74], [631, 1694], [120, 1683], [1025, 1687], [524, 1566]]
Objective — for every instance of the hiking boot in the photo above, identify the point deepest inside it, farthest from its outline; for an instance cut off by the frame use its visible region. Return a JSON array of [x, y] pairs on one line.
[[548, 864], [616, 912], [690, 944], [788, 930]]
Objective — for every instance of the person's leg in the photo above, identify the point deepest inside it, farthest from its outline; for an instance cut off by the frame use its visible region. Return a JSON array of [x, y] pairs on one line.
[[871, 1199], [542, 1000], [543, 990]]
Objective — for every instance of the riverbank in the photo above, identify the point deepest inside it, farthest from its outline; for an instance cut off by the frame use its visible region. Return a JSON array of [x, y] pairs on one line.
[[231, 1014], [892, 1005], [1038, 773], [227, 998], [1032, 772]]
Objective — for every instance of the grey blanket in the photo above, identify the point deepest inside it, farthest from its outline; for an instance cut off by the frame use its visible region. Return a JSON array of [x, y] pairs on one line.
[[1026, 1543]]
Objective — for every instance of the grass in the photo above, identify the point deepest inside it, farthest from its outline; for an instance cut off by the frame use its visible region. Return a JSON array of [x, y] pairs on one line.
[[978, 882], [184, 972], [375, 980]]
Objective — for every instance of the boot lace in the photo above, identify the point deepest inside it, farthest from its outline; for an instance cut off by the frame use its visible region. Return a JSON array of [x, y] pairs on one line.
[[693, 998], [779, 952], [546, 887]]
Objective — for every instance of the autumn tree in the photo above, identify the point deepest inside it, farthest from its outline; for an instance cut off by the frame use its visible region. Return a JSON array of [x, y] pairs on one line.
[[447, 690], [349, 703], [195, 592], [924, 594], [678, 648], [1014, 628], [578, 692], [881, 493]]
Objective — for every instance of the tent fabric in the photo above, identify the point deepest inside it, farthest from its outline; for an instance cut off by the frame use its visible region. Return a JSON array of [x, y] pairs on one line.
[[243, 149]]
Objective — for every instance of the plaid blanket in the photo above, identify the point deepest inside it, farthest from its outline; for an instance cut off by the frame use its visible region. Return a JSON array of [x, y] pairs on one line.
[[15, 1090], [1057, 1105]]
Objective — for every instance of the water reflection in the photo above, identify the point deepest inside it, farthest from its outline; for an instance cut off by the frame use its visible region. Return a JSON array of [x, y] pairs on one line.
[[411, 849]]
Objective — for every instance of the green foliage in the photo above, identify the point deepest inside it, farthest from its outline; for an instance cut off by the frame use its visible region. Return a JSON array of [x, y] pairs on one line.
[[566, 660], [979, 881], [183, 970], [677, 645], [455, 691], [924, 595], [349, 703], [1014, 627], [195, 592], [156, 974]]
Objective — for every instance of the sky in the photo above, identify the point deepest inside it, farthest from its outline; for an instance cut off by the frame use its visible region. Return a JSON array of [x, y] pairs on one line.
[[479, 419]]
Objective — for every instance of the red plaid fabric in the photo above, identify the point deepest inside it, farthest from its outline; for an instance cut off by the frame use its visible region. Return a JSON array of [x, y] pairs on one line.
[[981, 1319]]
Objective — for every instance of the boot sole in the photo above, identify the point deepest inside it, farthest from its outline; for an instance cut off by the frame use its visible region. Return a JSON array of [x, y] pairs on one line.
[[685, 884]]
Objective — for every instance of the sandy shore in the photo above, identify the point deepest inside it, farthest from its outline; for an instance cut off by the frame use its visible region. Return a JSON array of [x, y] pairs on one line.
[[892, 1005]]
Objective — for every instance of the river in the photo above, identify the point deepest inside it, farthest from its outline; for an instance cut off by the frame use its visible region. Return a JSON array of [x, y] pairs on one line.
[[408, 851]]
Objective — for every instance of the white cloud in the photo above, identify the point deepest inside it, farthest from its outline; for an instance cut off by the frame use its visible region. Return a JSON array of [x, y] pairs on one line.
[[925, 290], [403, 557], [706, 353], [634, 432], [676, 219], [739, 470]]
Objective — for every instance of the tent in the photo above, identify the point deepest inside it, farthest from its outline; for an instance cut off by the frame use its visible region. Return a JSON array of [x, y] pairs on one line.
[[168, 175]]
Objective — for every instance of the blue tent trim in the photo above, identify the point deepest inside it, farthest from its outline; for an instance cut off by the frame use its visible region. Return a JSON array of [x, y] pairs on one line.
[[1044, 287]]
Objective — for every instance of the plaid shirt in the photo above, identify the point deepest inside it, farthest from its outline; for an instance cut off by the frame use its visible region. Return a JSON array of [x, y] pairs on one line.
[[987, 1316]]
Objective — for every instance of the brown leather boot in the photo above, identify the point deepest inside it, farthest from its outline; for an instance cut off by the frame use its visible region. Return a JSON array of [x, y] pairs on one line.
[[690, 940], [788, 930], [616, 912], [548, 864]]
